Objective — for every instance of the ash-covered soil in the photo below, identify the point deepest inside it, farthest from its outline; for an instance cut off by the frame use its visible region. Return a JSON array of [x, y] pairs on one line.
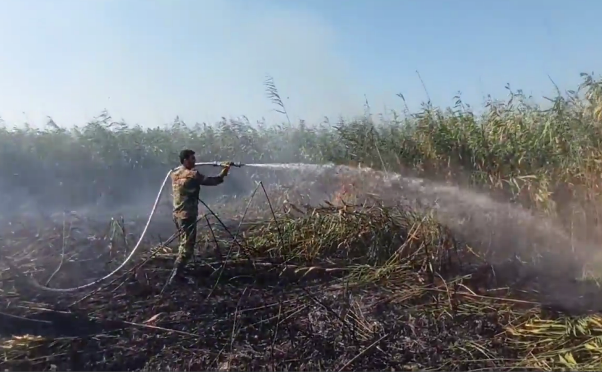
[[250, 322]]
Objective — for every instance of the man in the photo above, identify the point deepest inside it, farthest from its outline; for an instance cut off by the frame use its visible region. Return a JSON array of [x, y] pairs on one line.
[[186, 186]]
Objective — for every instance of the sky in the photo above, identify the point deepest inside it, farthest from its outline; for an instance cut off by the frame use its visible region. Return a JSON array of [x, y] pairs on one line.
[[148, 61]]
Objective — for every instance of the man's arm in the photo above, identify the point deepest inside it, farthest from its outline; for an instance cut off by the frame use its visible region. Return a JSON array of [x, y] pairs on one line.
[[213, 181]]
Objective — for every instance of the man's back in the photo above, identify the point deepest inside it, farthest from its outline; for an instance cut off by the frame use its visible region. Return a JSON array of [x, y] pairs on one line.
[[186, 187]]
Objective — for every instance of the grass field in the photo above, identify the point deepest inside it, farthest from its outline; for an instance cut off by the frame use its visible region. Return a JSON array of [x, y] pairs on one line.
[[354, 282]]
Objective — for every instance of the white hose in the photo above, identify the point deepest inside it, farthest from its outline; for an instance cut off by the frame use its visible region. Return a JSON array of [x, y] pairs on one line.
[[128, 258]]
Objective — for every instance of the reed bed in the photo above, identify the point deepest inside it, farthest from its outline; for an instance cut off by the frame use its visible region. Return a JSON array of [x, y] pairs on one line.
[[543, 157]]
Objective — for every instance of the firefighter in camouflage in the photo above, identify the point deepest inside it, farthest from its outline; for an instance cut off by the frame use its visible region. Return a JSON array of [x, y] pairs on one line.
[[186, 186]]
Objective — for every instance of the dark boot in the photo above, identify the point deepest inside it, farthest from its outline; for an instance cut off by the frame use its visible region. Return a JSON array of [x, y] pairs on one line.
[[177, 275]]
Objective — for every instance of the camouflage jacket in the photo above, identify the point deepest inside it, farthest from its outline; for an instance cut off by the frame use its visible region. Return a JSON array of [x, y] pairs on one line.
[[186, 186]]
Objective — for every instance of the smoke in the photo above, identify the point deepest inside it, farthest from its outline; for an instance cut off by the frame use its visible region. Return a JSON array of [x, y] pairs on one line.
[[521, 249]]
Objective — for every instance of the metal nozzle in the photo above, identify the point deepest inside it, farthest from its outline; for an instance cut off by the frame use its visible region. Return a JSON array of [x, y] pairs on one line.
[[230, 163]]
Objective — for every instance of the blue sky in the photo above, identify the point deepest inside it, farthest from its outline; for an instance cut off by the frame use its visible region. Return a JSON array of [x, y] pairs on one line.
[[147, 61]]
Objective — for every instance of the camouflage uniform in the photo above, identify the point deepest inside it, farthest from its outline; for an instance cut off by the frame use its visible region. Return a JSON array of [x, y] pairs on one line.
[[186, 186]]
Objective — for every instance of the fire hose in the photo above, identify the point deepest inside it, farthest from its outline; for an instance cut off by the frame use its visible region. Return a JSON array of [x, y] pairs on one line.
[[37, 285]]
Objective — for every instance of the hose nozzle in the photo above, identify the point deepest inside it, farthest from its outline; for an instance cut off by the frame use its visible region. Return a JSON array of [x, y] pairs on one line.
[[229, 163]]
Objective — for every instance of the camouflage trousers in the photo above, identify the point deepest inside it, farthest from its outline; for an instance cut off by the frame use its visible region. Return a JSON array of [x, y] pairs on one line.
[[187, 229]]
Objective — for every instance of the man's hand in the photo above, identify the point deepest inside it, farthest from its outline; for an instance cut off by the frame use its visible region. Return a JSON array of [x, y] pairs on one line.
[[226, 165]]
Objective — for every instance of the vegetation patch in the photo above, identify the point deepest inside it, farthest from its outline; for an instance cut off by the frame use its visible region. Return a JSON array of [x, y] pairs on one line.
[[328, 273]]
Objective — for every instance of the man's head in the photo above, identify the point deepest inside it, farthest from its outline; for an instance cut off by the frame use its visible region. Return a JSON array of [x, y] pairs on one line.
[[187, 158]]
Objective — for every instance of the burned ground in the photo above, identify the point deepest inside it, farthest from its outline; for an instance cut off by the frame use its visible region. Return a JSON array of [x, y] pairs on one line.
[[336, 287]]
